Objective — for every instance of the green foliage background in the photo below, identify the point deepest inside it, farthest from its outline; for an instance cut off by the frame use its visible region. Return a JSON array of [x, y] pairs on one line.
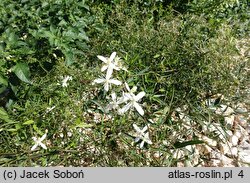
[[178, 52]]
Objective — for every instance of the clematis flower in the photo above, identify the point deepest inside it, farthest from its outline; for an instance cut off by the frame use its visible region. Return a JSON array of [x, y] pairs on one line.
[[124, 97], [141, 135], [107, 81], [133, 102], [38, 141], [65, 80], [109, 64]]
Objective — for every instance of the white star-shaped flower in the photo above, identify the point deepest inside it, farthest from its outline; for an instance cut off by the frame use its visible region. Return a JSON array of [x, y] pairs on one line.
[[124, 97], [109, 64], [133, 102], [141, 135], [38, 141], [107, 81]]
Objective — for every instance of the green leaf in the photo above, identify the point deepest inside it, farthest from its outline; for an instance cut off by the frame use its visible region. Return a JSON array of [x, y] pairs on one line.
[[12, 130], [3, 112], [29, 122], [4, 116], [83, 36], [184, 144], [81, 45], [82, 4], [4, 160], [81, 124], [37, 129], [3, 81], [69, 58], [69, 35], [62, 22], [157, 55], [14, 88], [2, 89], [22, 72]]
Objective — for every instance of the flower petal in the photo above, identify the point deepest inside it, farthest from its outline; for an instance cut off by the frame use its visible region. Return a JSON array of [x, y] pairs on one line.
[[113, 96], [127, 96], [34, 147], [133, 89], [137, 139], [102, 58], [106, 86], [99, 80], [123, 98], [137, 129], [112, 56], [34, 138], [148, 141], [114, 81], [109, 72], [125, 108], [125, 69], [43, 146], [127, 87], [144, 129], [139, 96], [43, 137], [104, 67], [116, 68], [146, 138], [120, 112], [138, 108], [142, 144]]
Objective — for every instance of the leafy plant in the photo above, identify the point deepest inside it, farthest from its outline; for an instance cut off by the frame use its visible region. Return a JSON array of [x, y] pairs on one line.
[[235, 12], [173, 52], [34, 35], [171, 57]]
